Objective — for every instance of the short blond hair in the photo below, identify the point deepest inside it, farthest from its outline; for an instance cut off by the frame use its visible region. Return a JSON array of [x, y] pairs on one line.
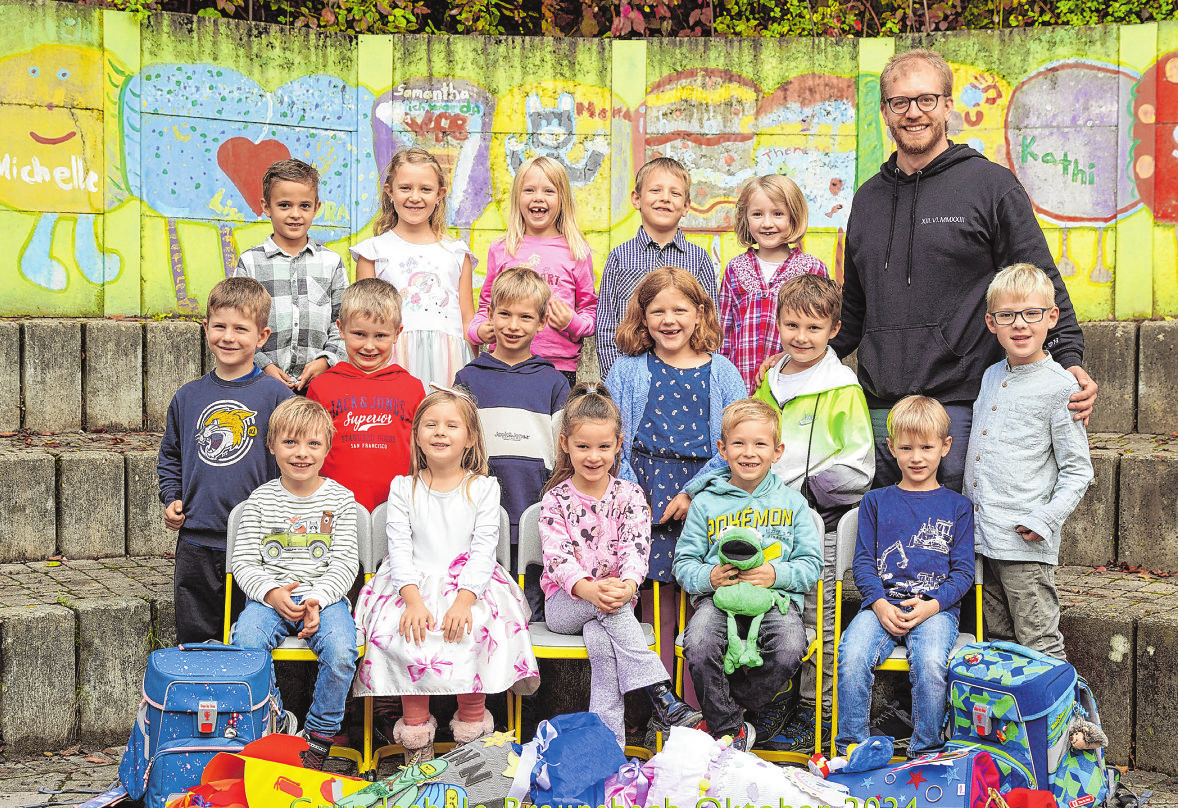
[[749, 409], [903, 62], [781, 191], [296, 417], [918, 415], [374, 298], [521, 284], [1022, 282], [812, 295], [667, 164], [245, 295]]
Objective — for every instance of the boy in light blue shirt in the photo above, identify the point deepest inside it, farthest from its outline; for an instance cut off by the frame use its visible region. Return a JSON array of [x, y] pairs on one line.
[[1028, 464]]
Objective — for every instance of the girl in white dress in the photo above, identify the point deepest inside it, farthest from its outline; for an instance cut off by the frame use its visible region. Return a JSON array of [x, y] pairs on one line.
[[440, 615], [432, 272]]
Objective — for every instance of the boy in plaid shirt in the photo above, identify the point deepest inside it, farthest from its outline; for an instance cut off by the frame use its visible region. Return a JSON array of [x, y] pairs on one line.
[[305, 279]]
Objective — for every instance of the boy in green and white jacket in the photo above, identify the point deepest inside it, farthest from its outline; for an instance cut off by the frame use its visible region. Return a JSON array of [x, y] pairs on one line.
[[826, 429]]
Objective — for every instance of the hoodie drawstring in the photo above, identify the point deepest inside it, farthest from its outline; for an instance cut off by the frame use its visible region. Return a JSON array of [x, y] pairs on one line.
[[892, 226], [912, 227]]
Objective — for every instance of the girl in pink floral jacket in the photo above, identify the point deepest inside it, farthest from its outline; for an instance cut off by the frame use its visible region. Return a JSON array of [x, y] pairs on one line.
[[595, 530]]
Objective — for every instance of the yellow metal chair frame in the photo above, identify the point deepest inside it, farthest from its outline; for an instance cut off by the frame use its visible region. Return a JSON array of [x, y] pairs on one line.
[[897, 660], [292, 649], [814, 650], [550, 645], [373, 757]]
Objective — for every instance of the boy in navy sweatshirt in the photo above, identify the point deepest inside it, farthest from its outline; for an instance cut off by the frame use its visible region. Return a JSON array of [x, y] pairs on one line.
[[520, 399], [913, 564], [213, 454]]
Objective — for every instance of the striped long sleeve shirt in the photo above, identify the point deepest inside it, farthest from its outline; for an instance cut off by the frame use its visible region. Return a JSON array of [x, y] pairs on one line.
[[625, 268], [286, 538]]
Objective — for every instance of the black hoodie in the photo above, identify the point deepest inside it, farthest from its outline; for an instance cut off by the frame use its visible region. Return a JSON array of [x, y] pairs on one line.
[[921, 250]]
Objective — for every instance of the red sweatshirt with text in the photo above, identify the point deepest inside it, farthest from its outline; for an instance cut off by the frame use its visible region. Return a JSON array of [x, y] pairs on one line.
[[373, 417]]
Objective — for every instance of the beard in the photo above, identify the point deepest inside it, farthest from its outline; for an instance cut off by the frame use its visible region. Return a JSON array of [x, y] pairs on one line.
[[918, 144]]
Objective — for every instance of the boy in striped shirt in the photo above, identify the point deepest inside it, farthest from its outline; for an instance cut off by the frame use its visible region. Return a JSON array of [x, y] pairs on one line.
[[295, 558]]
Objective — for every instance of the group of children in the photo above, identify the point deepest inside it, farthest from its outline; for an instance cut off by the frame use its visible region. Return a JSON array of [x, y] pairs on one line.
[[639, 477]]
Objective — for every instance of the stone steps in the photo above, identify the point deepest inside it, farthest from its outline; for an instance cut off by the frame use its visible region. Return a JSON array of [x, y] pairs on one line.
[[119, 375], [95, 495]]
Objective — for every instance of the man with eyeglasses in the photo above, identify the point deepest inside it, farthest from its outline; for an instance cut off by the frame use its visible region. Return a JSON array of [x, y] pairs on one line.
[[925, 238]]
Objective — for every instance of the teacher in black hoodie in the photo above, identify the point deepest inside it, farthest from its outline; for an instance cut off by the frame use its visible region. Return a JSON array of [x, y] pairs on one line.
[[926, 236]]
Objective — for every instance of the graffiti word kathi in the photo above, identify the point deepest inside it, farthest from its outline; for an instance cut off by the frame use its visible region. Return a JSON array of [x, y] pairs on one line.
[[75, 177], [1068, 165]]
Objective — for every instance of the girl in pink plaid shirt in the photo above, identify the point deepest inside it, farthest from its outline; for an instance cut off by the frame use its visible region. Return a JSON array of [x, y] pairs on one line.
[[771, 213]]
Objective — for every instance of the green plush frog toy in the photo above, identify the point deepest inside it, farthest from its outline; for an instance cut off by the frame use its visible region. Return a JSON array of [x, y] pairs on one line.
[[741, 547]]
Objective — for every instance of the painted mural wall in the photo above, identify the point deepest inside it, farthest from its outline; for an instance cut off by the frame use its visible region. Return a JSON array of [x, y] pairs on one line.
[[133, 151]]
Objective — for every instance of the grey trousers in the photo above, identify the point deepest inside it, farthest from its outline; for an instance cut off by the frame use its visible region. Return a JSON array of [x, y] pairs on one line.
[[618, 654], [1021, 603], [810, 620]]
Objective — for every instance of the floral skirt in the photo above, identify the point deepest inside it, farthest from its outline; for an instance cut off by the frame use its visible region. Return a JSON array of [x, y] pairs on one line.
[[494, 657]]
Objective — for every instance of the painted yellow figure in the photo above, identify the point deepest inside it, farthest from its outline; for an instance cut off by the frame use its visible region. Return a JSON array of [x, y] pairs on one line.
[[51, 158]]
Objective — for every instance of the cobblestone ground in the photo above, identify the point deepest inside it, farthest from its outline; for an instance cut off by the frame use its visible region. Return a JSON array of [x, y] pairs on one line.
[[21, 777]]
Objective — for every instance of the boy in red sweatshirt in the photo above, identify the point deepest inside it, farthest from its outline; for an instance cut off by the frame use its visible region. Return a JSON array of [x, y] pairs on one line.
[[371, 400]]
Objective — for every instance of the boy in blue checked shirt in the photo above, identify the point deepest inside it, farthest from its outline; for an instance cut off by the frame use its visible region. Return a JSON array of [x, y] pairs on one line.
[[305, 279], [661, 193]]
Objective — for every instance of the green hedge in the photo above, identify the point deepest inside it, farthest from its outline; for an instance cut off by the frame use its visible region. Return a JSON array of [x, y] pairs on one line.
[[627, 19]]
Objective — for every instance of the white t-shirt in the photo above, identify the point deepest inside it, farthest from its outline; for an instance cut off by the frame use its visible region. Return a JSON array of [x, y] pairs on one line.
[[768, 269], [785, 387]]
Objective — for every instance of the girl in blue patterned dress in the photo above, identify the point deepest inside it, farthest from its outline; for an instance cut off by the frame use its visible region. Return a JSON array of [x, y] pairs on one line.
[[672, 390]]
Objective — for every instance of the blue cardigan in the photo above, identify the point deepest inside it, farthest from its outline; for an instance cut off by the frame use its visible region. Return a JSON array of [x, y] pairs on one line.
[[629, 384]]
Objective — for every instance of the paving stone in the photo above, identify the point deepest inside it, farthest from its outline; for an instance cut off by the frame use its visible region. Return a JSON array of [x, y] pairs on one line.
[[1157, 378], [146, 534], [90, 505], [37, 685], [1110, 357], [112, 379], [28, 520], [1099, 641], [113, 637], [1148, 512], [172, 359], [1089, 536], [10, 382], [1157, 693]]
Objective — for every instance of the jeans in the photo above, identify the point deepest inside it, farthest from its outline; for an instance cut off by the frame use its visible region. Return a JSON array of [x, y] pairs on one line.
[[952, 470], [334, 643], [782, 643], [865, 645]]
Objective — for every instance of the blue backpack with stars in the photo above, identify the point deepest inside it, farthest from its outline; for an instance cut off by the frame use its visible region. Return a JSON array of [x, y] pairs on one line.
[[198, 701], [1019, 705]]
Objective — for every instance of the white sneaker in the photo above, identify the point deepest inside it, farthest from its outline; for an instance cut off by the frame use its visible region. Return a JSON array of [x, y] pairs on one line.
[[287, 724]]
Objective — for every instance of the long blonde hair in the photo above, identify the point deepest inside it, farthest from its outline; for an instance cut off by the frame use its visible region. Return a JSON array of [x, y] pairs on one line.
[[586, 402], [388, 218], [566, 222], [474, 458]]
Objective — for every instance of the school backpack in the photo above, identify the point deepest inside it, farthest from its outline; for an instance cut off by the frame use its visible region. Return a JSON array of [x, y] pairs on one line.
[[1018, 705], [198, 700]]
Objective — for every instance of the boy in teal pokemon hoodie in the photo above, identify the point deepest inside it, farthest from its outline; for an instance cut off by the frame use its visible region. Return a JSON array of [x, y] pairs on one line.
[[746, 494]]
